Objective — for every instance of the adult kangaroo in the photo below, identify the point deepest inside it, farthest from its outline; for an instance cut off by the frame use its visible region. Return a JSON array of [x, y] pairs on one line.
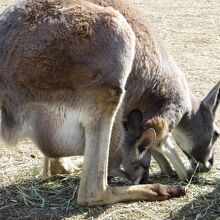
[[79, 55], [158, 88]]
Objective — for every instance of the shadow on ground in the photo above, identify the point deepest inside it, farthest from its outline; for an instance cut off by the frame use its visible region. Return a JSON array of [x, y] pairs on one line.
[[53, 198], [41, 199]]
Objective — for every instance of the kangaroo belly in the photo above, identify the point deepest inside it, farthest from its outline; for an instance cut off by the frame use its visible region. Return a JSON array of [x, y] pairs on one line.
[[58, 131], [70, 136]]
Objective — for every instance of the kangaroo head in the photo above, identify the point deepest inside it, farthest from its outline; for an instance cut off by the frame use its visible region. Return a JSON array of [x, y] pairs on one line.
[[197, 132], [136, 152]]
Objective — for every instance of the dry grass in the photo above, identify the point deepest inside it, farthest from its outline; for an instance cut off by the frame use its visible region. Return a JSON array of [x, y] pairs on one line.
[[30, 197], [191, 31]]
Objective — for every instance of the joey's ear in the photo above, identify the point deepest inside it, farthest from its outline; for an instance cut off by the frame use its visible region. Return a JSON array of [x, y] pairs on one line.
[[147, 138], [125, 125], [134, 122], [213, 98]]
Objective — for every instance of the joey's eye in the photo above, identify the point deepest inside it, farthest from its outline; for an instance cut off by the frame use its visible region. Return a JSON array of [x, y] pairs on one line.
[[136, 167]]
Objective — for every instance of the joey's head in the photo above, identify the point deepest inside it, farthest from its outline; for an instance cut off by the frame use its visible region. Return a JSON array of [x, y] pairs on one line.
[[197, 132], [136, 150]]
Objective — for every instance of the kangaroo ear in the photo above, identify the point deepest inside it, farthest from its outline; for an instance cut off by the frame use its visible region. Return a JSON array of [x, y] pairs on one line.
[[213, 98], [134, 122], [147, 138]]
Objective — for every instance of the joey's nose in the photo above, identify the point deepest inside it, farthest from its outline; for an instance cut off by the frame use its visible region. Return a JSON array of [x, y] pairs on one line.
[[137, 181]]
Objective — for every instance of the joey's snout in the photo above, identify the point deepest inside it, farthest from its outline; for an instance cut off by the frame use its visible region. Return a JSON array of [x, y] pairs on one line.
[[138, 171], [141, 176]]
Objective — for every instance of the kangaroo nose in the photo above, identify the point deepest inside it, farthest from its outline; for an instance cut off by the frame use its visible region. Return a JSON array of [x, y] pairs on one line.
[[204, 165], [208, 164]]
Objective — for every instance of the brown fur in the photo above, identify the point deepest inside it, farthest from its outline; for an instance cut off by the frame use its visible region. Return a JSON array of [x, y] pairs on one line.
[[84, 57], [74, 55], [158, 124]]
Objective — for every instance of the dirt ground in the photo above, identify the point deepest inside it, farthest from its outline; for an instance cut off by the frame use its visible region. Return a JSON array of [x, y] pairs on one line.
[[191, 32]]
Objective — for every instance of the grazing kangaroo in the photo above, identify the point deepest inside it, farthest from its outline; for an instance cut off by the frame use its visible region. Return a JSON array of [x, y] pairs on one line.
[[159, 89], [79, 55]]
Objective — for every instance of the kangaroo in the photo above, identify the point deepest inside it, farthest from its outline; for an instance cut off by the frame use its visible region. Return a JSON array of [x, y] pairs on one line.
[[159, 89], [79, 54], [195, 133], [57, 121]]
